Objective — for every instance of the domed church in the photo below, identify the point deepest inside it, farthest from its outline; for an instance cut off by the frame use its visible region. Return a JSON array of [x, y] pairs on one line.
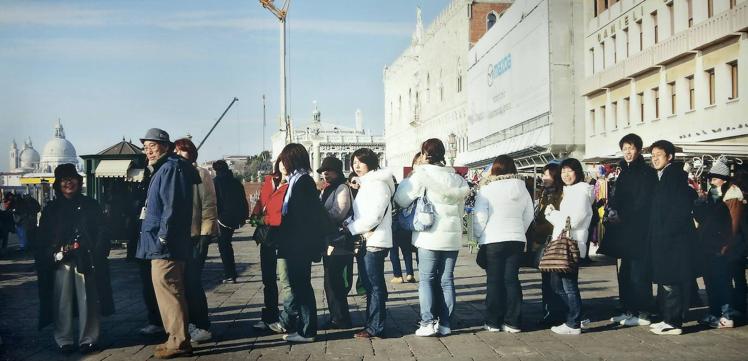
[[57, 151]]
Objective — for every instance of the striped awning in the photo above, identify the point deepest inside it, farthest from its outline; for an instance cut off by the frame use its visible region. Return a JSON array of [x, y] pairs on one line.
[[113, 168]]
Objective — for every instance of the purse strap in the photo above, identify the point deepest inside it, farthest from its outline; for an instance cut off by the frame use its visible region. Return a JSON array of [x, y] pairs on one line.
[[567, 228]]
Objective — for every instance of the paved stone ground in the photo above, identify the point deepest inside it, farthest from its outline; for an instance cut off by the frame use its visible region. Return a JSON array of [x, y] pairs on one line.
[[235, 307]]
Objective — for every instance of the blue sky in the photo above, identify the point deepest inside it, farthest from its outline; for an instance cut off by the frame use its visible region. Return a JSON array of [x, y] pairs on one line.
[[110, 69]]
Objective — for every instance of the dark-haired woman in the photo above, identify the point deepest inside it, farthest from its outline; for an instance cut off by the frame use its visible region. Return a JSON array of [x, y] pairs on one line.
[[576, 205], [438, 245], [372, 218], [299, 243], [503, 212], [72, 264]]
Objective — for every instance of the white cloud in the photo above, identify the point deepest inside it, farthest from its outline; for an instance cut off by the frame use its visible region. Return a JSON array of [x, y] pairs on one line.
[[30, 14]]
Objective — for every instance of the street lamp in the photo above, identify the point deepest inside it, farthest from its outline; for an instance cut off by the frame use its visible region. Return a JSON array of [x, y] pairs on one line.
[[281, 14], [452, 141]]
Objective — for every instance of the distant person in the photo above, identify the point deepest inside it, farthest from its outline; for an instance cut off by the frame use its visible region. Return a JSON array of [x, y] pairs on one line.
[[233, 211]]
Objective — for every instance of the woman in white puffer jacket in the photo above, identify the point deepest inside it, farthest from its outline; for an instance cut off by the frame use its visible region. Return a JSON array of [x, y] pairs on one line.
[[576, 204], [503, 211], [437, 246]]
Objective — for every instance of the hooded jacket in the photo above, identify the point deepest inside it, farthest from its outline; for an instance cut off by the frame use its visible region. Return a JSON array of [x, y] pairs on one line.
[[577, 205], [503, 210], [369, 207], [447, 191]]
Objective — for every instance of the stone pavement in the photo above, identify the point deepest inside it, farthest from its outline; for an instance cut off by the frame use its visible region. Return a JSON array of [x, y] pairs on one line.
[[235, 307]]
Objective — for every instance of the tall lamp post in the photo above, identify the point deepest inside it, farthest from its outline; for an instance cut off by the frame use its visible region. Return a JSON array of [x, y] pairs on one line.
[[452, 142], [281, 15]]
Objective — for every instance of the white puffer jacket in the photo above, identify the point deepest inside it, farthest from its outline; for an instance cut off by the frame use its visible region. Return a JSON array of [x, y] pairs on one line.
[[369, 207], [447, 191], [576, 204], [503, 210]]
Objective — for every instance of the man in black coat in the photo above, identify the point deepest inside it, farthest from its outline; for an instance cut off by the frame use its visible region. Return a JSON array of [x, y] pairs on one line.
[[233, 211], [672, 237], [626, 233]]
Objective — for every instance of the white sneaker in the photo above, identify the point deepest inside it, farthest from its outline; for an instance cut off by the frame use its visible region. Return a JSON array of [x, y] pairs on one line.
[[620, 318], [635, 321], [426, 331], [199, 335], [658, 325], [563, 329], [585, 323], [295, 337], [443, 330], [724, 322], [260, 325], [191, 328], [491, 329], [666, 329], [277, 327], [509, 329], [151, 330]]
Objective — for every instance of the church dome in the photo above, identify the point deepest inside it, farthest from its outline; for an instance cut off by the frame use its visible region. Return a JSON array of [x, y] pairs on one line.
[[59, 148], [29, 158]]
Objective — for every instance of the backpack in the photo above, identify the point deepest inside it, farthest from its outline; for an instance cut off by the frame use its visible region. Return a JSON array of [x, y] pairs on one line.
[[418, 216]]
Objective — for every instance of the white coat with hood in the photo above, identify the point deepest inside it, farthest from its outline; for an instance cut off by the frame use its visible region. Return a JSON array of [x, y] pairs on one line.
[[503, 210], [577, 205], [369, 206], [447, 191]]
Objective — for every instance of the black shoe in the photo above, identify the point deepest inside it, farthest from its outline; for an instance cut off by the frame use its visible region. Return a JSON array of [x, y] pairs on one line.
[[87, 348], [229, 280], [66, 349]]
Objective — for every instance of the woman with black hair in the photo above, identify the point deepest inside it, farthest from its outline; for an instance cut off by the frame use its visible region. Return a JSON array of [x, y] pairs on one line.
[[576, 206], [72, 264]]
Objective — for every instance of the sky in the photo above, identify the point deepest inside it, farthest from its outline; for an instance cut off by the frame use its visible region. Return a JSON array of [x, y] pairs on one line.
[[112, 69]]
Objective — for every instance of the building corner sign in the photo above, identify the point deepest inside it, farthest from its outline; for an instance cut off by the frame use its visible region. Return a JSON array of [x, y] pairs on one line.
[[634, 15], [501, 67]]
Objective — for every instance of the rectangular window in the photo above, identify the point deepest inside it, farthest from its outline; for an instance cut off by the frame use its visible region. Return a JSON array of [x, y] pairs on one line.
[[656, 94], [627, 110], [602, 119], [655, 27], [690, 12], [671, 18], [602, 50], [592, 120], [710, 84], [709, 8], [592, 59], [691, 93], [733, 79], [673, 106], [641, 35], [615, 52], [733, 3], [640, 98], [614, 114], [626, 34]]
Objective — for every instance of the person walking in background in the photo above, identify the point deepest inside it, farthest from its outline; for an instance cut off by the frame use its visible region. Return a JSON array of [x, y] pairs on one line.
[[438, 245], [203, 229], [672, 238], [626, 233], [165, 237], [337, 199], [233, 211], [576, 206], [72, 264], [372, 219], [403, 242], [503, 212]]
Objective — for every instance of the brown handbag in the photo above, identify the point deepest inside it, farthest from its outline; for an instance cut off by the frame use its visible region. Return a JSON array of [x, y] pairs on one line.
[[561, 254]]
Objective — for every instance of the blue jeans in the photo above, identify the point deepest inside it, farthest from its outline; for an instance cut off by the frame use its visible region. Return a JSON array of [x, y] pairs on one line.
[[397, 271], [300, 307], [436, 287], [376, 292], [566, 285]]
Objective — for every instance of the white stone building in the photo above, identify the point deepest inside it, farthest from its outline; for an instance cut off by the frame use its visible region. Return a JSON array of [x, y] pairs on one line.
[[666, 70], [323, 139], [424, 88], [522, 77], [57, 151]]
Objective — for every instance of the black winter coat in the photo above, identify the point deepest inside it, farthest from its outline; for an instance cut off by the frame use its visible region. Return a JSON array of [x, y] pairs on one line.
[[305, 223], [672, 232], [233, 209], [632, 199], [60, 218]]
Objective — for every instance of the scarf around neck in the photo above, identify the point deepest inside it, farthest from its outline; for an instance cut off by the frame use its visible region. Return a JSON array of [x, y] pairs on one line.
[[292, 178]]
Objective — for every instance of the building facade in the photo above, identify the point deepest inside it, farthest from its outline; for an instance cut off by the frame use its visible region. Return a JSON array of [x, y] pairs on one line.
[[669, 70], [522, 96], [425, 87], [323, 139]]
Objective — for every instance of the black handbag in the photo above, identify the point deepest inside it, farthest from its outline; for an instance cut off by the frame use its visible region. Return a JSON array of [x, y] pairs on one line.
[[260, 234], [343, 243]]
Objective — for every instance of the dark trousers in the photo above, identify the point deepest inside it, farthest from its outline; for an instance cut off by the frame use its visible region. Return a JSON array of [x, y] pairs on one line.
[[397, 270], [149, 296], [197, 303], [740, 288], [227, 252], [553, 305], [336, 289], [673, 300], [503, 289], [718, 286], [376, 292], [268, 265], [300, 314], [635, 287], [566, 285]]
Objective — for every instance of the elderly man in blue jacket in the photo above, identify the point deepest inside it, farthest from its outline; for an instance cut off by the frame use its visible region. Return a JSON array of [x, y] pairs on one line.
[[165, 237]]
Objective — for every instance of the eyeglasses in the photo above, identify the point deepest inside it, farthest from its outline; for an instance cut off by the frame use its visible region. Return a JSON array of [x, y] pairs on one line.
[[68, 179]]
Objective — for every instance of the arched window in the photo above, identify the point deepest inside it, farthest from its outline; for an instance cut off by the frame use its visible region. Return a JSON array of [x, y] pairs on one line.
[[459, 75], [428, 87], [490, 20]]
